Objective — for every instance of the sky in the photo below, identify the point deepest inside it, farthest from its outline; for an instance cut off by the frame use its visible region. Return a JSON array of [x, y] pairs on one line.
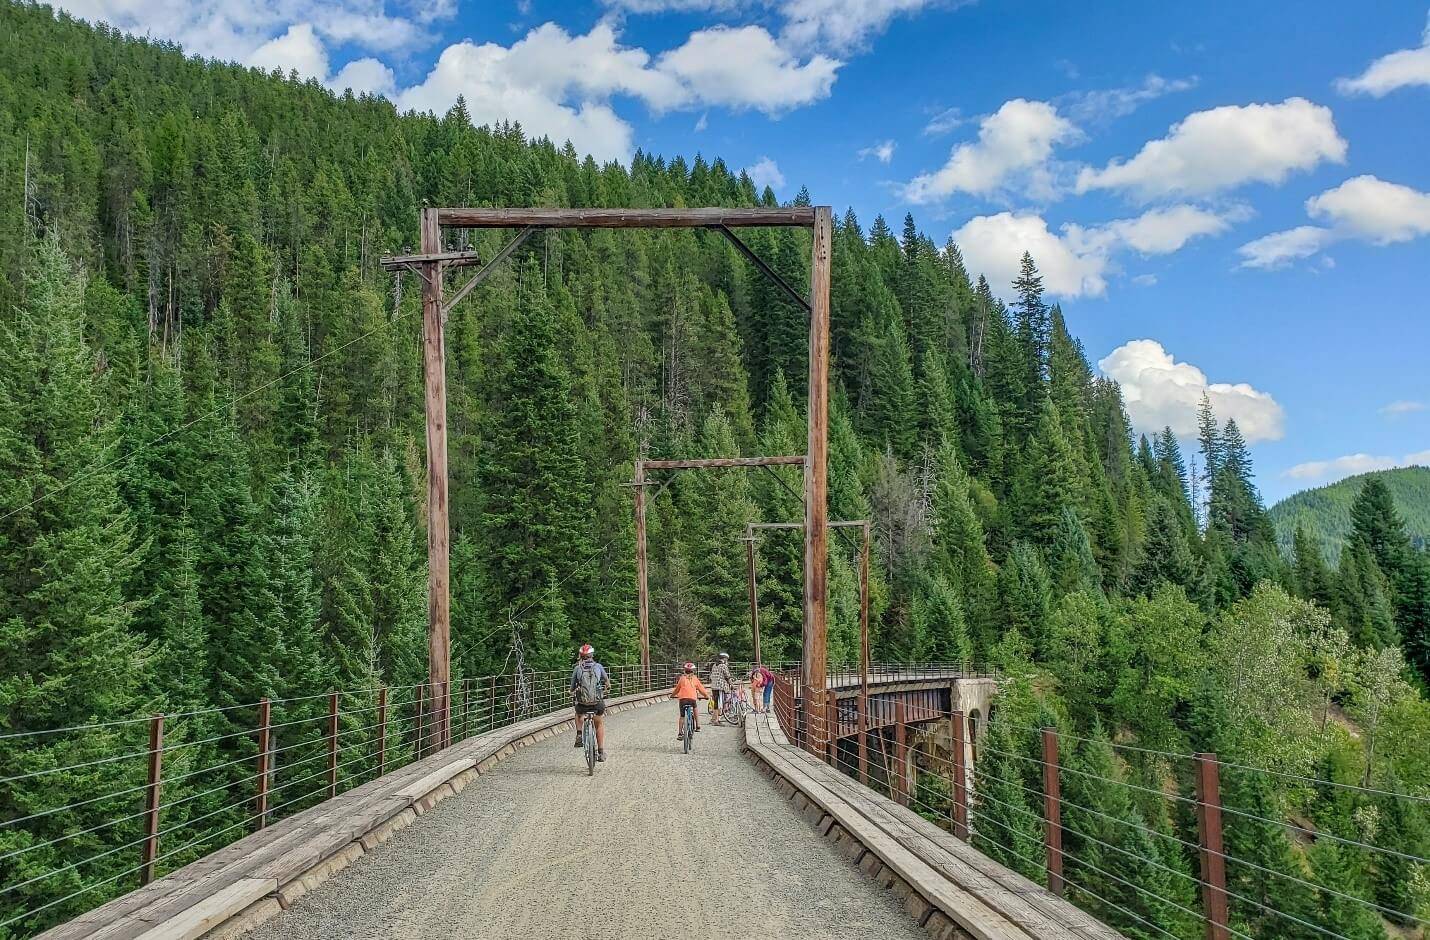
[[1225, 197]]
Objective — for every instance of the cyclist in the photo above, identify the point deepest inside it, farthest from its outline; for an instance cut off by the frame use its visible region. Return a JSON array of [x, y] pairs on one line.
[[589, 686], [722, 682], [688, 688]]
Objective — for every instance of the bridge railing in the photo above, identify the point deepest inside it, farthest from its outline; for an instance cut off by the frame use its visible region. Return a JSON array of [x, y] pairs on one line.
[[1141, 837], [92, 810]]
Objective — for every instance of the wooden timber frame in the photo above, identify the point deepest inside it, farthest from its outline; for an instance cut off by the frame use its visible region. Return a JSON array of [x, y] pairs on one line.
[[431, 264], [866, 537]]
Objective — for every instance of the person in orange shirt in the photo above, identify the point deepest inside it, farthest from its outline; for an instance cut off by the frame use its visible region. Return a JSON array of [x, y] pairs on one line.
[[688, 688]]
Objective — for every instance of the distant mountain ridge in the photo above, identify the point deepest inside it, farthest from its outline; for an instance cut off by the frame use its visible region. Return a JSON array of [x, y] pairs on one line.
[[1326, 510]]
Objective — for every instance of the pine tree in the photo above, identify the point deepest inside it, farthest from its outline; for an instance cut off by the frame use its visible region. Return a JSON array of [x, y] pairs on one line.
[[66, 554], [1070, 557]]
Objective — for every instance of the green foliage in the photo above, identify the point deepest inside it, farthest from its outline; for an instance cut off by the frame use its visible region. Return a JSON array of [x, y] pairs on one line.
[[1325, 512]]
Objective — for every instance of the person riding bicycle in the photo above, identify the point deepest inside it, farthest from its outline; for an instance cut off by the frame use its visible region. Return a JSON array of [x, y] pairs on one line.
[[589, 686], [721, 681], [688, 688]]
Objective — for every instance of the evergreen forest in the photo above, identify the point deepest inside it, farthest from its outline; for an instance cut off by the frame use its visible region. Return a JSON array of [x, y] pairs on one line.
[[212, 486]]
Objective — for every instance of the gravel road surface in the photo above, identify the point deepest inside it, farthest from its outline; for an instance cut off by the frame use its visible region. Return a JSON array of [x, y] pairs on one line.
[[658, 844]]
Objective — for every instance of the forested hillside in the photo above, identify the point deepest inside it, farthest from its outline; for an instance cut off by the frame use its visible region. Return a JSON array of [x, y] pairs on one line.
[[1325, 512], [211, 470]]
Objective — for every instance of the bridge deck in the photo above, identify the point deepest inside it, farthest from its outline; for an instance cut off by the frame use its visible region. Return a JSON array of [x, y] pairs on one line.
[[656, 844]]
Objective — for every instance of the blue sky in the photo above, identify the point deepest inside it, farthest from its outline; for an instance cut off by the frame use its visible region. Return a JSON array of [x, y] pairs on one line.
[[1223, 196]]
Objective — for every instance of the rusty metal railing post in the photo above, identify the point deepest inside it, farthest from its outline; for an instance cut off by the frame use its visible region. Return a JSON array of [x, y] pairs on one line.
[[1209, 835], [332, 744], [960, 777], [1052, 812], [831, 729], [382, 731], [419, 716], [466, 705], [901, 783], [151, 798], [863, 720], [265, 732], [444, 733]]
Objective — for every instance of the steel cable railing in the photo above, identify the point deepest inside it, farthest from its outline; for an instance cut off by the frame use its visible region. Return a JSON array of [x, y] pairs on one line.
[[212, 782], [829, 734]]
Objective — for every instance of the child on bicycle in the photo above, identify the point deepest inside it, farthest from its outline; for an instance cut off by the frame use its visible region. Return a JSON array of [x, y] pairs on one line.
[[688, 688]]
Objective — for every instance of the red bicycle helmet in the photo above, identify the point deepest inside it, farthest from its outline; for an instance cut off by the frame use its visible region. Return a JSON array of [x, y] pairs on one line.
[[588, 651], [689, 667]]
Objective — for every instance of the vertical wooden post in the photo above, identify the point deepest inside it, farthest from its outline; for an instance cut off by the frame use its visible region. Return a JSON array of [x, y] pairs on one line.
[[901, 783], [265, 730], [863, 721], [816, 466], [1052, 812], [1210, 837], [151, 798], [960, 777], [642, 588], [382, 731], [434, 370], [754, 597], [332, 744]]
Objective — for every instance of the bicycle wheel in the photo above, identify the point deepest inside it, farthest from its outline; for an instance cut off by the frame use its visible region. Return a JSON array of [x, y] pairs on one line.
[[590, 736], [730, 710], [689, 730]]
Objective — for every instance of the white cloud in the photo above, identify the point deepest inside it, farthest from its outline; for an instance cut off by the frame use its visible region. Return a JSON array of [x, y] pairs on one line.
[[993, 246], [844, 24], [1364, 208], [1281, 248], [560, 85], [1397, 408], [703, 122], [1373, 210], [944, 121], [1077, 262], [364, 76], [1145, 280], [1109, 103], [299, 50], [1161, 392], [1338, 468], [1015, 141], [1402, 69], [1215, 150], [743, 67], [883, 151], [766, 172]]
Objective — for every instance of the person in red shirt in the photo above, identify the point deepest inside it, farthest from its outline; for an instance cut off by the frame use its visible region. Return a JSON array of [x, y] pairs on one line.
[[688, 688]]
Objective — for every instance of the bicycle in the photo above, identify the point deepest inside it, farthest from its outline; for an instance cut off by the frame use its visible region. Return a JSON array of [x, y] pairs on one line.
[[687, 727], [588, 740], [733, 709]]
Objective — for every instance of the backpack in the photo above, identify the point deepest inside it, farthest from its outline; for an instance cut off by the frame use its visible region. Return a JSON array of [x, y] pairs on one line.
[[588, 685]]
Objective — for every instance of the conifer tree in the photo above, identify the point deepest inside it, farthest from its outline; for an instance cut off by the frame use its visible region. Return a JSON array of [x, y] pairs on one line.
[[1070, 557]]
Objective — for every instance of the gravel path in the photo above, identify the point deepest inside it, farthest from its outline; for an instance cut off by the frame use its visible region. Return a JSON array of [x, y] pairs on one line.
[[658, 844]]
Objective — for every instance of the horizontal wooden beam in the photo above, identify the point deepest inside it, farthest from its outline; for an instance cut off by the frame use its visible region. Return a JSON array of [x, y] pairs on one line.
[[841, 524], [798, 216], [718, 462], [449, 258]]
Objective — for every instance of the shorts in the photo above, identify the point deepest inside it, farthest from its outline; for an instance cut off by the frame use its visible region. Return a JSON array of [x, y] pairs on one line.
[[690, 702], [598, 709]]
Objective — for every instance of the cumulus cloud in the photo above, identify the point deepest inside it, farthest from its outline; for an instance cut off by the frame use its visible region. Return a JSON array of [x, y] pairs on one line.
[[299, 49], [844, 24], [883, 151], [1403, 69], [1339, 468], [560, 85], [1015, 141], [1364, 208], [1076, 262], [1397, 408], [1161, 392], [366, 76], [766, 172], [1222, 148], [745, 68]]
